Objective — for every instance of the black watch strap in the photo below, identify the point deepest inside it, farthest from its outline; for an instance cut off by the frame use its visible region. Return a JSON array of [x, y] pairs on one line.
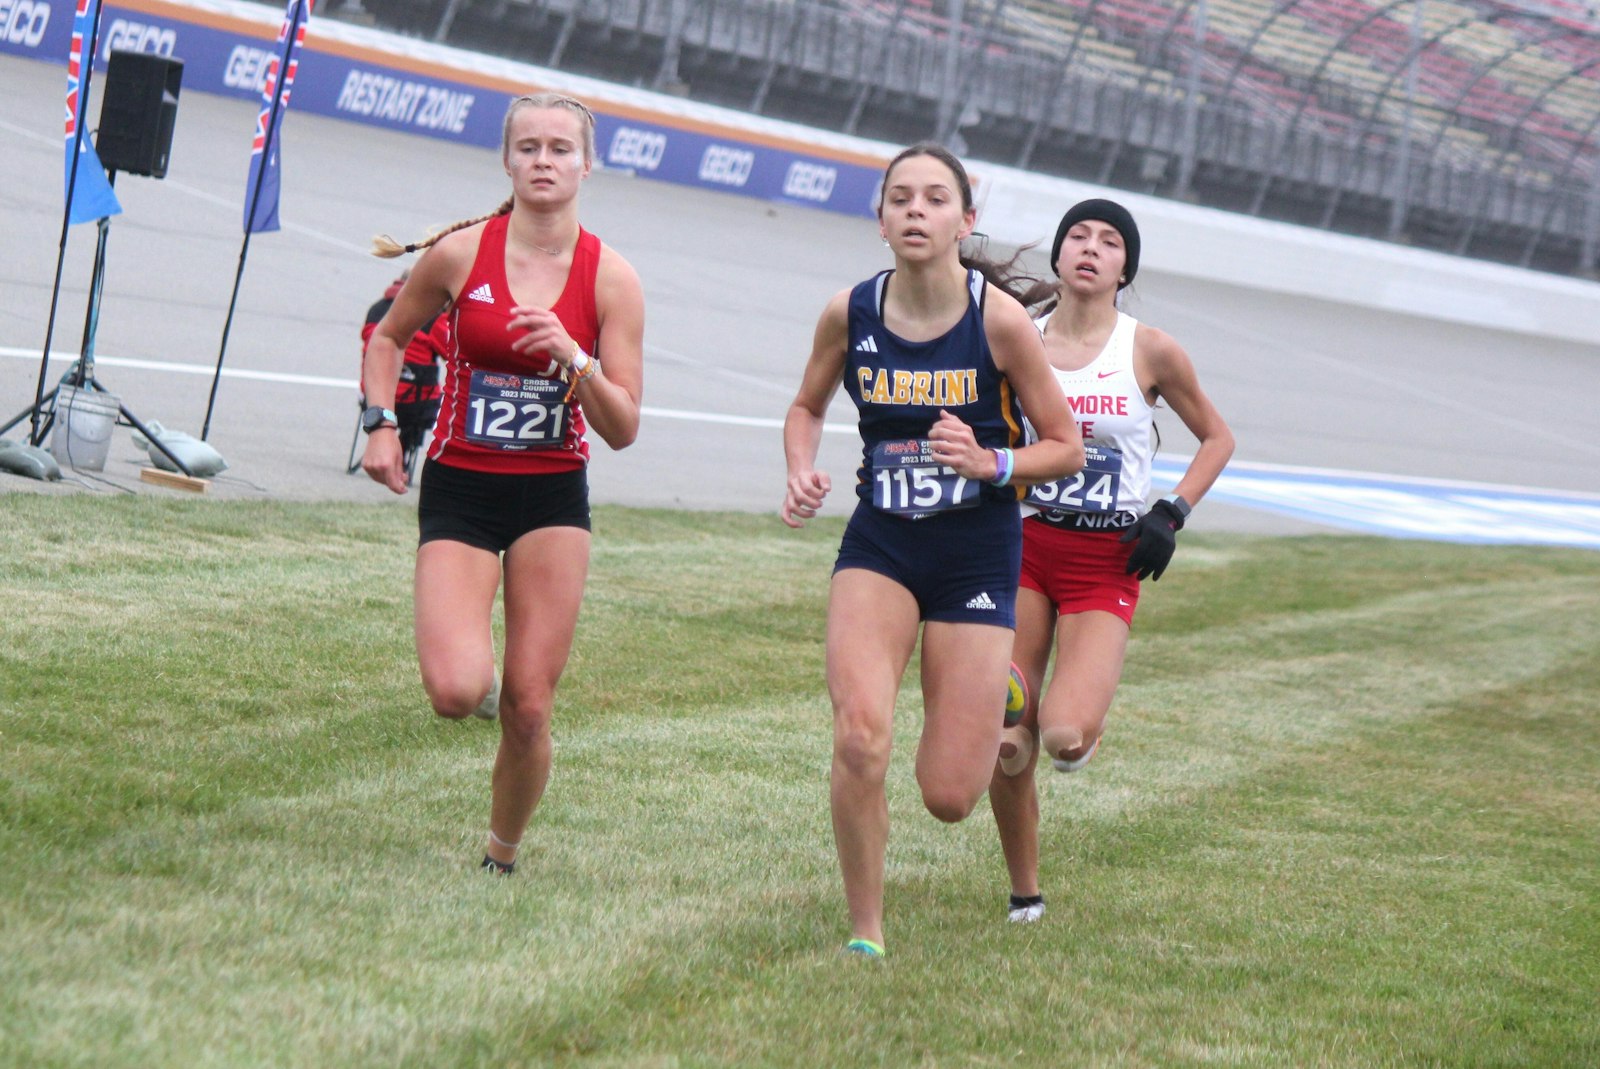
[[376, 417]]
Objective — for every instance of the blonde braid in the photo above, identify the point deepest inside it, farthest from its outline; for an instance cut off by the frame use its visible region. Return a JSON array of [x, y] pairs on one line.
[[388, 248]]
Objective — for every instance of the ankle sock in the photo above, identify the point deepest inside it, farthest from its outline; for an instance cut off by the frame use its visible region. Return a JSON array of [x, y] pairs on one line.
[[1024, 901], [501, 868]]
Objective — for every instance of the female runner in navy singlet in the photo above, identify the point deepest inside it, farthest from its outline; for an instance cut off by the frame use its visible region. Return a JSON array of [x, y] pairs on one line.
[[536, 305], [1093, 538], [936, 359]]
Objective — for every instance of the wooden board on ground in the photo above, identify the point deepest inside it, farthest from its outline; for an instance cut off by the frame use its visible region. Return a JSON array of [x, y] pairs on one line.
[[176, 480]]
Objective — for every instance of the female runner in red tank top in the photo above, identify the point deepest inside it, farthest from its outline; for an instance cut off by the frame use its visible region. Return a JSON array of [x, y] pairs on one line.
[[537, 305]]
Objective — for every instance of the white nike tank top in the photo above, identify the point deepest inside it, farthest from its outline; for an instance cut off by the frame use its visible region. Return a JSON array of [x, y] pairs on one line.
[[1111, 409]]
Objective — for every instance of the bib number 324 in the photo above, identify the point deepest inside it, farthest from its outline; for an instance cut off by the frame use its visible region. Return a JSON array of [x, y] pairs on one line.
[[1094, 489], [907, 481], [507, 411]]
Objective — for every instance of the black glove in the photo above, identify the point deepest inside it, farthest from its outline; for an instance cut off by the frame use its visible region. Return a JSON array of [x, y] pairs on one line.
[[1157, 532]]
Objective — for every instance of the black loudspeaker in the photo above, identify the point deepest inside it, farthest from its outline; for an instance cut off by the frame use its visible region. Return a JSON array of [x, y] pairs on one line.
[[138, 109]]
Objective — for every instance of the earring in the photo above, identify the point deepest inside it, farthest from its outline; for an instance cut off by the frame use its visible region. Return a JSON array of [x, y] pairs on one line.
[[1123, 280]]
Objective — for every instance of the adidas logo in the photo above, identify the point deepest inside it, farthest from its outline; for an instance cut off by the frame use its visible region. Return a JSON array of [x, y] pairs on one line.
[[867, 345], [982, 601], [482, 293]]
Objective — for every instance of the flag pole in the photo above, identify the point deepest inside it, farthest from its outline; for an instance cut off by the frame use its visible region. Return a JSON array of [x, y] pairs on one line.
[[291, 29], [238, 276], [85, 73]]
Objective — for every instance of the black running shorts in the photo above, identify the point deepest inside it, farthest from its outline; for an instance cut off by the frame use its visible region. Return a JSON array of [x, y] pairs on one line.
[[490, 510]]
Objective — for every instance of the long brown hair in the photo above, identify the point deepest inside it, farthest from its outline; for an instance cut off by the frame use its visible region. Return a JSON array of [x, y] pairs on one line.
[[1006, 275]]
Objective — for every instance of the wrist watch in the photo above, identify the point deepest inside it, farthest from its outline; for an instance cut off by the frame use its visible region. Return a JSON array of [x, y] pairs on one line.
[[377, 416], [1177, 502], [580, 363]]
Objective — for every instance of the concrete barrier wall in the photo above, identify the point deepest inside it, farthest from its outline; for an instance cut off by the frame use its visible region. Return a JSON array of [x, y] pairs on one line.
[[1280, 257], [369, 76]]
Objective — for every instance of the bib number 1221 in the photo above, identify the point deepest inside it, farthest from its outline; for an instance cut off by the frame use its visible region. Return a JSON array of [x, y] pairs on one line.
[[509, 411]]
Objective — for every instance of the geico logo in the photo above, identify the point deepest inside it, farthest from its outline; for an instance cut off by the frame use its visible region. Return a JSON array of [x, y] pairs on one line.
[[640, 149], [247, 68], [22, 22], [809, 181], [726, 166], [126, 36]]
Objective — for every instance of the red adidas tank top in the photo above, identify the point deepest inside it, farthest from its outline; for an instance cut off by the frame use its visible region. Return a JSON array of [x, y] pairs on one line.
[[504, 411]]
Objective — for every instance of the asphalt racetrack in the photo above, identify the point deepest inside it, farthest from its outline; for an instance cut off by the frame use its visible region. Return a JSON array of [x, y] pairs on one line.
[[733, 287]]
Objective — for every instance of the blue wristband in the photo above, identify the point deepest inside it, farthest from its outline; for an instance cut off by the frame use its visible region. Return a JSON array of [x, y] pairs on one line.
[[1004, 462]]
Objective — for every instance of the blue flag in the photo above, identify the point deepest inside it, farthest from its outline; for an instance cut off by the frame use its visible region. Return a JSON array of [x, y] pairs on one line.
[[261, 189], [91, 196]]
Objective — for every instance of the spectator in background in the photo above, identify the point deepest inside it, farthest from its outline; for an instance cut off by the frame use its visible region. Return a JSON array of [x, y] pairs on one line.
[[416, 396]]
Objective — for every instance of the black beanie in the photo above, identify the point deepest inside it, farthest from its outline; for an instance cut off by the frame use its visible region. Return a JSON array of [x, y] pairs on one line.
[[1106, 211]]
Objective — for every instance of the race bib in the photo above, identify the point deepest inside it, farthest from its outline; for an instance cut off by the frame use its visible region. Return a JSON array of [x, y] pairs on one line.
[[1092, 490], [506, 411], [907, 481]]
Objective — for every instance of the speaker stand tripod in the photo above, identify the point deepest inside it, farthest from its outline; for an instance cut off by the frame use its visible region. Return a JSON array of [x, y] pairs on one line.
[[81, 374]]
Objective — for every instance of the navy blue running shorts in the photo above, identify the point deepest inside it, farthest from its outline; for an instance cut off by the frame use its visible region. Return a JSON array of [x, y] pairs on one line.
[[961, 566], [490, 510]]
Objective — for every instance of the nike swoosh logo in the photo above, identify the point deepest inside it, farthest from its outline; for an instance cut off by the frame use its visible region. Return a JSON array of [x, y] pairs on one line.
[[1108, 374], [1124, 603]]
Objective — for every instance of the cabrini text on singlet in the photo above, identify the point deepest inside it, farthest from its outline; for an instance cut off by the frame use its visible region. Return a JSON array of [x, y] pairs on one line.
[[932, 388]]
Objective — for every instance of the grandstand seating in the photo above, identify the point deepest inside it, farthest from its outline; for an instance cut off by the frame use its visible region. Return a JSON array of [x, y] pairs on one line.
[[1326, 60], [1496, 88], [1307, 103]]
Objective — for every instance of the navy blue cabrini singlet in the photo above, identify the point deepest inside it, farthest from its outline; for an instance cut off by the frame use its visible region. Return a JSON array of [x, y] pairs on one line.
[[899, 386]]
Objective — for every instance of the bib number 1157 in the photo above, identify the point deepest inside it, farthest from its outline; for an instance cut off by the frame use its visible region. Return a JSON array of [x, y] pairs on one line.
[[907, 481]]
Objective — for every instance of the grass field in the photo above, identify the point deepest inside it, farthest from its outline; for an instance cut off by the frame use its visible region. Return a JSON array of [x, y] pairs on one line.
[[1347, 814]]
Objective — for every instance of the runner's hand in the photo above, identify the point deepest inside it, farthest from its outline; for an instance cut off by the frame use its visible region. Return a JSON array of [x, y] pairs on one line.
[[544, 333], [804, 497], [382, 460], [1157, 532], [956, 446]]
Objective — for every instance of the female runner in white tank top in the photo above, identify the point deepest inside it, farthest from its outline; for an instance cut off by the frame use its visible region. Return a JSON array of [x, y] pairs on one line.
[[1093, 538]]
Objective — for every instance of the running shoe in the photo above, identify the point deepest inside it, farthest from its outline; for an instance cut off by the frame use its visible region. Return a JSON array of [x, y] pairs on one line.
[[1025, 910], [1016, 749], [1016, 697], [489, 708], [1016, 741], [1076, 763], [864, 948]]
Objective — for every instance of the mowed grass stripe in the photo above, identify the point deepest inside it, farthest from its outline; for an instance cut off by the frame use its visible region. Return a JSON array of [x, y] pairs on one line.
[[1345, 816]]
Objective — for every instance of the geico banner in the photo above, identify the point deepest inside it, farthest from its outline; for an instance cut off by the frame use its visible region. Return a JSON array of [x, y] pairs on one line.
[[219, 53], [725, 162], [230, 55], [42, 29], [38, 28]]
